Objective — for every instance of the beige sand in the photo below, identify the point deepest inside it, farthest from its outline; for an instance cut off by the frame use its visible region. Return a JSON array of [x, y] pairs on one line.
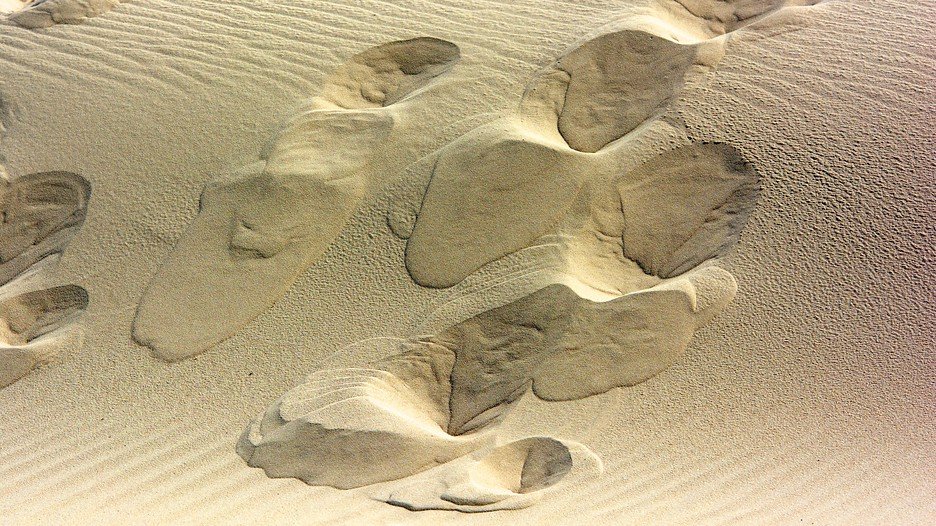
[[256, 232], [791, 158], [41, 213], [37, 14]]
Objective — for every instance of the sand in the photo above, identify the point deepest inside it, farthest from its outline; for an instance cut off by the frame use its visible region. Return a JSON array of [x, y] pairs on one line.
[[551, 262], [46, 13]]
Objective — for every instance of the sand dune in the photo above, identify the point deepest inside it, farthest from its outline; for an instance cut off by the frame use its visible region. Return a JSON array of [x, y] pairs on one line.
[[436, 262]]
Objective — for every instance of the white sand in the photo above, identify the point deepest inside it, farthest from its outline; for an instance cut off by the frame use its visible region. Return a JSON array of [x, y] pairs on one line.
[[807, 400]]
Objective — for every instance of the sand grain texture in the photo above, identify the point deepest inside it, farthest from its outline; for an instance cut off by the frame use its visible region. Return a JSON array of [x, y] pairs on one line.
[[807, 399]]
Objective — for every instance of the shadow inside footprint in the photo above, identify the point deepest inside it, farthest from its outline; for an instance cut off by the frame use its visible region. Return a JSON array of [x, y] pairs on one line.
[[441, 397], [512, 476], [33, 314], [255, 233], [40, 214], [26, 318], [500, 187], [524, 466]]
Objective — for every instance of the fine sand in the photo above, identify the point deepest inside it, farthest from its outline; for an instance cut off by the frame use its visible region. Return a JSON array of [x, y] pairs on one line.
[[436, 262]]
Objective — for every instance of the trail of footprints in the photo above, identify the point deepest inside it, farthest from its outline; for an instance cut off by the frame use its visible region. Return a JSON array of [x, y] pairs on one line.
[[40, 215], [425, 419], [634, 279]]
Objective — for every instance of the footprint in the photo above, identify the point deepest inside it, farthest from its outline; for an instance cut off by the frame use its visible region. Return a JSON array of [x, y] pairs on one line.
[[441, 397], [28, 321], [616, 83], [630, 339], [389, 73], [492, 192], [351, 428], [500, 187], [512, 476], [256, 232], [47, 13], [685, 207], [41, 213], [31, 315], [497, 353], [581, 121]]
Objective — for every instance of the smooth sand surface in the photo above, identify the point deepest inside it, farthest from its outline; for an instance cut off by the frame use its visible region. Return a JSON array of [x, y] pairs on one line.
[[793, 156]]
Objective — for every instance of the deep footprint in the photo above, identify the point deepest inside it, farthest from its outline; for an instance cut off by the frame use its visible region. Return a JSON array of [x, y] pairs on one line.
[[725, 16], [33, 314], [512, 476], [443, 396], [27, 318], [616, 83], [500, 187], [686, 206], [351, 428], [256, 233], [41, 213]]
